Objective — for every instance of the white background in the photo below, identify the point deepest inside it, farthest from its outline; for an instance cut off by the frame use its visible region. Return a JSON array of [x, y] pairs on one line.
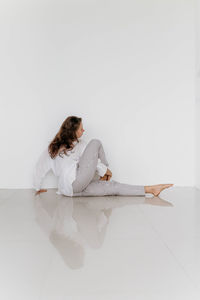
[[126, 67], [197, 104]]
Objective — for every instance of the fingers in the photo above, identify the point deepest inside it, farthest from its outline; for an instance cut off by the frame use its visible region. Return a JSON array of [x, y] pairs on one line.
[[40, 191], [109, 172], [105, 177]]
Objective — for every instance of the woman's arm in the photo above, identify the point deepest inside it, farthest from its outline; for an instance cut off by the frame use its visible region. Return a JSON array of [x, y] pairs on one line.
[[41, 168]]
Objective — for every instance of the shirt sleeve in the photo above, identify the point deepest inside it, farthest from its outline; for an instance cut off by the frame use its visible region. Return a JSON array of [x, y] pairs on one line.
[[101, 168], [41, 168]]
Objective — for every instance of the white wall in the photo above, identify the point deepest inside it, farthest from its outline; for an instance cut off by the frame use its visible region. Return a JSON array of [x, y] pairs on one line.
[[126, 67], [197, 104], [197, 170]]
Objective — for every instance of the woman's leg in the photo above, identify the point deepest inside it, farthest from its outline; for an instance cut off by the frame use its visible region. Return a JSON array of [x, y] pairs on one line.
[[102, 188], [84, 184], [87, 165]]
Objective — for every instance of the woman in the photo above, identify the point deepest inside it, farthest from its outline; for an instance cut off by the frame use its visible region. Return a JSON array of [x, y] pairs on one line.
[[82, 161]]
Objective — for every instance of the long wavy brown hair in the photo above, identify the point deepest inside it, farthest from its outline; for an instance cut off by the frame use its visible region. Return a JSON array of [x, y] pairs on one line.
[[65, 137]]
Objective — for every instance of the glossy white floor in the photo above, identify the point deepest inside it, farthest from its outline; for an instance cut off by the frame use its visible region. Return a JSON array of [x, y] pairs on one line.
[[100, 248]]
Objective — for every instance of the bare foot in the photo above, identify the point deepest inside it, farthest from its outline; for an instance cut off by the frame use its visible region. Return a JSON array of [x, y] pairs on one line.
[[156, 189]]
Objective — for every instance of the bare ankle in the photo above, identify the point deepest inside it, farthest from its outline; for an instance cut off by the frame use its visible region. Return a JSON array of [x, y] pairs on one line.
[[148, 189]]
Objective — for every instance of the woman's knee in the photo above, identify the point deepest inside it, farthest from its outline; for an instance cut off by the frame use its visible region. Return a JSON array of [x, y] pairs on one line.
[[95, 141]]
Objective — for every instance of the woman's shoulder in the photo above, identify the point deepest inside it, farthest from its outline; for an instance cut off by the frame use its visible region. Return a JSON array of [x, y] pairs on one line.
[[80, 142], [64, 148]]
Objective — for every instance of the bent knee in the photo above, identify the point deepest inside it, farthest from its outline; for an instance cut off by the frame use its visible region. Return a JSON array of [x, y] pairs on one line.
[[95, 141]]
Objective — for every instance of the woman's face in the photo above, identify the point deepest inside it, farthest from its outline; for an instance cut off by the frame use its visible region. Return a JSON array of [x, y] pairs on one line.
[[80, 131]]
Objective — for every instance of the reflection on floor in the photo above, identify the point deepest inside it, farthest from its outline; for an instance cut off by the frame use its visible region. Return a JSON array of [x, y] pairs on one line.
[[54, 247]]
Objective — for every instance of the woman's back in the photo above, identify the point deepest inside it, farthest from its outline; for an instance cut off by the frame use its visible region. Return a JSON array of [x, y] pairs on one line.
[[60, 165]]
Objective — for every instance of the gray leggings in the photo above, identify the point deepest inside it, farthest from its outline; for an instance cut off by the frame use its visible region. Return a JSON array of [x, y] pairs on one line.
[[86, 184]]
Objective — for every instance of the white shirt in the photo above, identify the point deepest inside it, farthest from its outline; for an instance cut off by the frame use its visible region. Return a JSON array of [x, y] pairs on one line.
[[63, 167]]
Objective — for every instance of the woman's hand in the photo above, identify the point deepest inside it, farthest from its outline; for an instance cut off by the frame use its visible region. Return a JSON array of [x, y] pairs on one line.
[[107, 175], [40, 191]]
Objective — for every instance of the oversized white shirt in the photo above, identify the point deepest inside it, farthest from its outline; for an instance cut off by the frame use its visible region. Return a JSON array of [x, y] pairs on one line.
[[63, 167]]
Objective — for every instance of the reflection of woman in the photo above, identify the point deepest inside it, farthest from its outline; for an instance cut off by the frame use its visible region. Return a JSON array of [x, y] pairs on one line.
[[72, 225], [77, 168]]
